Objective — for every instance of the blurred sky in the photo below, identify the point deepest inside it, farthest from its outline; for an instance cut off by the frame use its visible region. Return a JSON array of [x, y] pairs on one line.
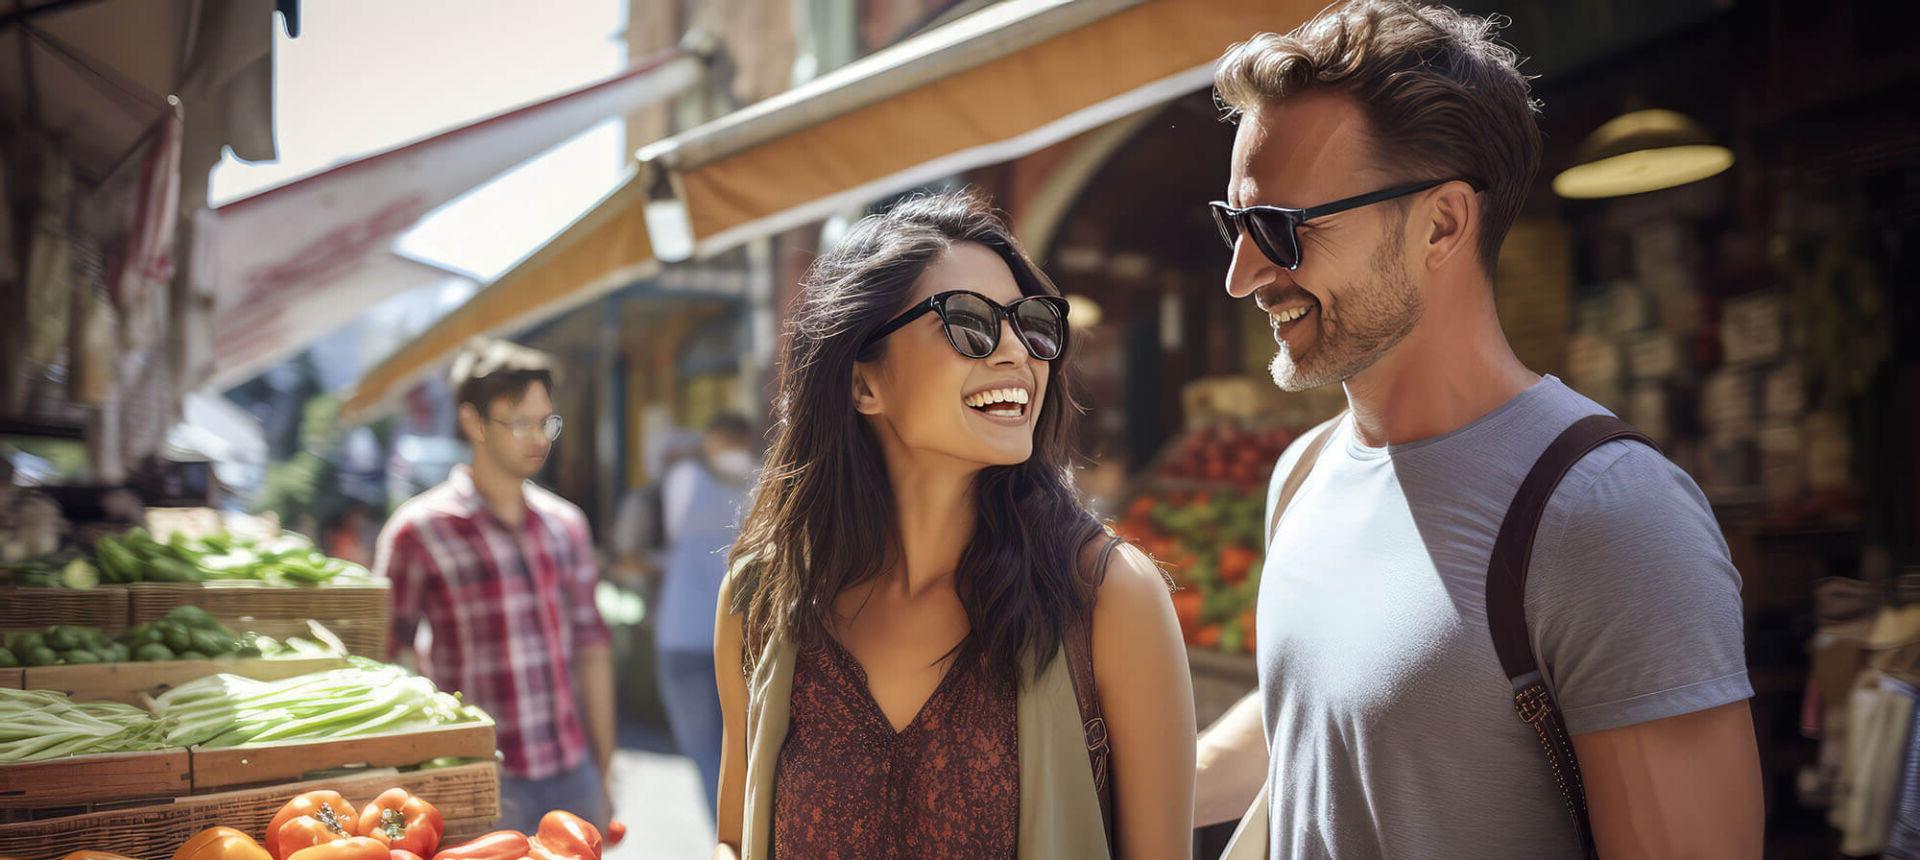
[[368, 75]]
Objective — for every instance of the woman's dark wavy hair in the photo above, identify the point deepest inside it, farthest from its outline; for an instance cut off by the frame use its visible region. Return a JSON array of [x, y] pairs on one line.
[[823, 518]]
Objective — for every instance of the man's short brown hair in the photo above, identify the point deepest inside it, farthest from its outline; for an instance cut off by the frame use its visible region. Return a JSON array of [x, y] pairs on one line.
[[488, 370], [1443, 96]]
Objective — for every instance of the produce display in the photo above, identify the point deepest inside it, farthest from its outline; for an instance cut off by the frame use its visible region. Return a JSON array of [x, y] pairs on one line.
[[136, 556], [366, 698], [41, 724], [1201, 513], [186, 633], [1226, 455], [1210, 543], [322, 825], [288, 559]]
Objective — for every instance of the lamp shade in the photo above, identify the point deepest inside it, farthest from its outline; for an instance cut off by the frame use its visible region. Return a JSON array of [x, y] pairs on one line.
[[1645, 150]]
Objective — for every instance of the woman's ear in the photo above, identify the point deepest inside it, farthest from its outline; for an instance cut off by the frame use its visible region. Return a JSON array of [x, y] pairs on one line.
[[866, 399]]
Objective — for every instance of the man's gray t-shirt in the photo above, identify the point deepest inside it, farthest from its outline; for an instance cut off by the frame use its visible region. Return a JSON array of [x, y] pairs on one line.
[[1390, 722]]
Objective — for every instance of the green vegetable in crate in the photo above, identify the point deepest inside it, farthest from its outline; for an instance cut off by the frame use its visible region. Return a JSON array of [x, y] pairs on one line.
[[193, 655], [194, 616], [25, 640], [117, 560], [176, 636], [63, 638], [153, 652], [40, 724], [167, 568], [80, 655], [368, 697], [210, 642], [7, 660], [39, 656]]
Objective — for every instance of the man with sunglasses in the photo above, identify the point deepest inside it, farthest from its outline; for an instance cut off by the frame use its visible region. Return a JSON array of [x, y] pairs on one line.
[[1383, 151], [503, 572]]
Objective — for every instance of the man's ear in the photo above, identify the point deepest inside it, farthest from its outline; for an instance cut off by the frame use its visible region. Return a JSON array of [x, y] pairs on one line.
[[866, 399], [473, 423], [1452, 224]]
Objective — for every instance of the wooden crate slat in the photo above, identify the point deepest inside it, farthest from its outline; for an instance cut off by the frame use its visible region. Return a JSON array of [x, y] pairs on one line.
[[131, 682], [80, 780], [10, 678], [468, 796], [105, 607], [219, 769]]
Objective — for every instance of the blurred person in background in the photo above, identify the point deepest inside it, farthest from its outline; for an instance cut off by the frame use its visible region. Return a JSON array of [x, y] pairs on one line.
[[503, 571], [702, 498]]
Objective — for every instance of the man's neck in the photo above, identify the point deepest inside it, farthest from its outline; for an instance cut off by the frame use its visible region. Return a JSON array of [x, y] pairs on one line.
[[502, 491], [1453, 368]]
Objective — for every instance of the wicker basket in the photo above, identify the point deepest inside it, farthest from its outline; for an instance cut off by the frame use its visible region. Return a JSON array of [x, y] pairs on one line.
[[105, 607], [467, 795]]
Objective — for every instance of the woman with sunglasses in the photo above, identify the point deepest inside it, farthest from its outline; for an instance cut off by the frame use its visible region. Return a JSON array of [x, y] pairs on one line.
[[927, 646]]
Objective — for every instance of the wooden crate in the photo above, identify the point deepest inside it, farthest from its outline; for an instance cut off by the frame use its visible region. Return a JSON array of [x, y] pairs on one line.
[[131, 682], [224, 769], [467, 795], [89, 779], [358, 614], [10, 678], [105, 607]]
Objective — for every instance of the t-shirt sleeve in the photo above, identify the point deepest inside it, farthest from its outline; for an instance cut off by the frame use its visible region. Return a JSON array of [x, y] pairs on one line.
[[1632, 599]]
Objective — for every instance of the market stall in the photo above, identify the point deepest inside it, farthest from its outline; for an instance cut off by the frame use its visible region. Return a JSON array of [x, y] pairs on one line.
[[185, 675]]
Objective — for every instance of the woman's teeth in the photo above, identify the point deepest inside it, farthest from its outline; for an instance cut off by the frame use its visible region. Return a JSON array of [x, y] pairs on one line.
[[1004, 402], [1288, 316]]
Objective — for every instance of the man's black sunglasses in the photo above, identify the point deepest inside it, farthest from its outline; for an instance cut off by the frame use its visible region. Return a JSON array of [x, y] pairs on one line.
[[1275, 229], [972, 323]]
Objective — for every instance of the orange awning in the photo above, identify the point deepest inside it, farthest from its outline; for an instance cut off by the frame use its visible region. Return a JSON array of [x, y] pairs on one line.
[[605, 249], [1007, 80], [996, 85]]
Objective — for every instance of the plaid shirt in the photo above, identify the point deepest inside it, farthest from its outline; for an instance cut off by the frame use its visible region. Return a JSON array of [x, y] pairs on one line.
[[505, 613]]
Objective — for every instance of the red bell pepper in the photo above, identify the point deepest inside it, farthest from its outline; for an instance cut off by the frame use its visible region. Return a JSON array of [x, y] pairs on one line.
[[335, 815], [403, 822], [350, 848], [403, 854], [564, 836], [498, 845]]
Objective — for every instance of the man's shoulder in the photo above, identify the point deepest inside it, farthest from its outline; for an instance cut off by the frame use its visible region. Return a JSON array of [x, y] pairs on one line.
[[549, 504], [1297, 449], [1627, 504], [435, 504]]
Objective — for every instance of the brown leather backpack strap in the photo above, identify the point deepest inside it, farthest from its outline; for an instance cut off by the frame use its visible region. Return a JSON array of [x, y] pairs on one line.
[[1301, 468], [1079, 645], [1533, 700]]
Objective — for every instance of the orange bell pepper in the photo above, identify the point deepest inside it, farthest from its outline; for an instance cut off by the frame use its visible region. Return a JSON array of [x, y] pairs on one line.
[[498, 845], [403, 822], [350, 848], [564, 836], [221, 843], [328, 808], [404, 854]]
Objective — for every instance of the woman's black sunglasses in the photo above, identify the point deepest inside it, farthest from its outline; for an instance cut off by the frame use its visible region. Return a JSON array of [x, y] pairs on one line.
[[972, 323], [1275, 229]]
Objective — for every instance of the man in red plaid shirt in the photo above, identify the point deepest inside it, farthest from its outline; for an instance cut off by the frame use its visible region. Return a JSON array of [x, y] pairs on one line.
[[503, 572]]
